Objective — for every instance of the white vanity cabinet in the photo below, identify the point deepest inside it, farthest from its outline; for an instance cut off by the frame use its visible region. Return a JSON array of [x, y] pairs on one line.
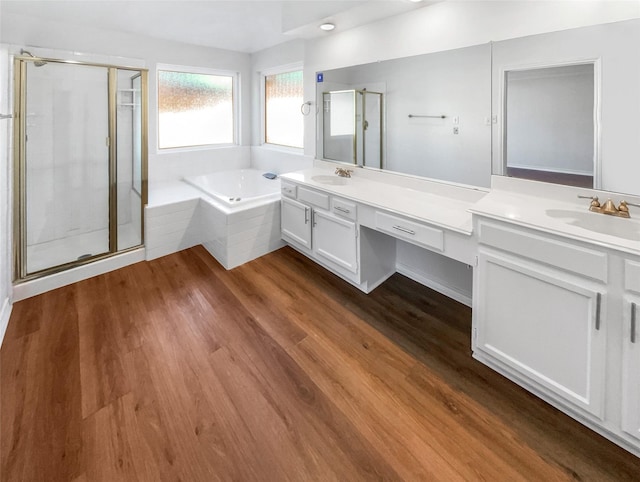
[[542, 316], [559, 316], [324, 227], [296, 222], [631, 349], [335, 240]]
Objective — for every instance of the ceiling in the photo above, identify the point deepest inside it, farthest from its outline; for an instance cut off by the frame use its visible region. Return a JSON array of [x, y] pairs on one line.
[[245, 26]]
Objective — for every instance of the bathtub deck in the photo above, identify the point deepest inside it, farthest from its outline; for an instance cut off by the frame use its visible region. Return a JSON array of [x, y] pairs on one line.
[[179, 216]]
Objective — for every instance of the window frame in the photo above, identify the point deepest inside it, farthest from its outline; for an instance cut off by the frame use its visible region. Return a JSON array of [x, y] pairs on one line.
[[235, 103], [263, 74]]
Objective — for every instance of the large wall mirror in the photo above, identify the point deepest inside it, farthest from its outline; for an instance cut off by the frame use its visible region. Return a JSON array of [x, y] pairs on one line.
[[560, 107], [427, 115]]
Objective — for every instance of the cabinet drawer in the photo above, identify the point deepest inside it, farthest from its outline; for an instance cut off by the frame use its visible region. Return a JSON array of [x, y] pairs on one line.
[[570, 257], [288, 190], [344, 208], [315, 198], [632, 276], [410, 230]]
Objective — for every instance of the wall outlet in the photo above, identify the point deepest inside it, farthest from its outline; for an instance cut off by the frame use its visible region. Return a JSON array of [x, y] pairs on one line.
[[456, 130]]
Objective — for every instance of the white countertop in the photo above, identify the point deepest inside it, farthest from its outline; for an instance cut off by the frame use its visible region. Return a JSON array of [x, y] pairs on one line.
[[563, 217], [450, 211]]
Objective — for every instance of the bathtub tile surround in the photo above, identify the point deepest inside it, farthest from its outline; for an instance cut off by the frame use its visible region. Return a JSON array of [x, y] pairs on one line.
[[180, 215]]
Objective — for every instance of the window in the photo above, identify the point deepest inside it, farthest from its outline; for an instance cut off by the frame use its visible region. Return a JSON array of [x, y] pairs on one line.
[[195, 109], [284, 123]]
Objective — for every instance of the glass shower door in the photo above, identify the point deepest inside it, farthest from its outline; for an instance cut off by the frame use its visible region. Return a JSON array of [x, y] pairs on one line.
[[66, 164]]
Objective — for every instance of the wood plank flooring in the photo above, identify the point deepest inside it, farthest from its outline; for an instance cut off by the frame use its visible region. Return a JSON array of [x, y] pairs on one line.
[[277, 370]]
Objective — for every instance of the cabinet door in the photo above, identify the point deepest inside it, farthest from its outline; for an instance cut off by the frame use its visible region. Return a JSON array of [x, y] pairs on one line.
[[631, 366], [545, 324], [334, 239], [296, 222]]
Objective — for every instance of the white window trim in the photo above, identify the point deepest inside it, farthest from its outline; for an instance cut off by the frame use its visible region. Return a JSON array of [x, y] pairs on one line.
[[235, 101], [282, 69]]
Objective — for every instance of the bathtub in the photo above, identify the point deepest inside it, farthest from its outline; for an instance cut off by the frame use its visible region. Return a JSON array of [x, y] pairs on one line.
[[236, 218], [237, 188]]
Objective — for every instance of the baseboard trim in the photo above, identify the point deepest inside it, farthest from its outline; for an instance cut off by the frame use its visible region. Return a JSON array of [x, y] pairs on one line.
[[464, 298], [5, 314]]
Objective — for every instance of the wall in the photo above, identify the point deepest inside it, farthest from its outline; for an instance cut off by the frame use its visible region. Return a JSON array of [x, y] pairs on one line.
[[5, 195], [163, 166]]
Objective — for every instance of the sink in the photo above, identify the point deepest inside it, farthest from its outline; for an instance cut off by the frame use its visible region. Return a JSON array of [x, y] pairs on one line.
[[331, 180], [626, 228]]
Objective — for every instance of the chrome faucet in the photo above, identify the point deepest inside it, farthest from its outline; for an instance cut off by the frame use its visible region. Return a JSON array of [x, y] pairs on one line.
[[342, 172]]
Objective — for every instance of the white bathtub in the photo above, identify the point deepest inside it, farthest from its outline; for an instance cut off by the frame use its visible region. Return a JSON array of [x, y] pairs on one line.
[[238, 187], [237, 218]]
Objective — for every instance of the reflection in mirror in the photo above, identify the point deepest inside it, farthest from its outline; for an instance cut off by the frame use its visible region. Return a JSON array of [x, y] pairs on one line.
[[435, 115], [558, 132], [352, 127], [550, 124]]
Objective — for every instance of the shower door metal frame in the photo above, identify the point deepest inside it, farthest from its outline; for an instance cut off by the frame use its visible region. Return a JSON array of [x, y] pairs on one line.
[[19, 171]]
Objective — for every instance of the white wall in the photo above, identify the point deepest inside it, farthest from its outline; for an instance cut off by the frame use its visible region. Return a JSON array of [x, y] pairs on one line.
[[35, 32], [5, 195]]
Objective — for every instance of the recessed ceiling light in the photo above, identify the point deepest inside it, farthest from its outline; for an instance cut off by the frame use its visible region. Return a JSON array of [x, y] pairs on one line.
[[327, 26]]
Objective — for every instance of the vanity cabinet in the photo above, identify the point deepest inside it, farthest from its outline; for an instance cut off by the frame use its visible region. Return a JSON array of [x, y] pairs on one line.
[[328, 236], [296, 222], [541, 321], [324, 227], [334, 239], [559, 317], [631, 350]]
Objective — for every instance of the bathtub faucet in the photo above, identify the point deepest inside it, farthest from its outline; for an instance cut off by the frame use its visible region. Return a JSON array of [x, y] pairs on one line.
[[342, 172]]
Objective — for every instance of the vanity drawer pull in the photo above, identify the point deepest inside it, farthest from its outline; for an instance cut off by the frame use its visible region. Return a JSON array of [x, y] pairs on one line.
[[306, 215], [404, 230], [414, 232], [634, 308], [598, 303], [342, 210]]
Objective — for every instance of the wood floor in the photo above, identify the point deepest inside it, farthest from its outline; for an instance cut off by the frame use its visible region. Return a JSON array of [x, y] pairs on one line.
[[179, 370]]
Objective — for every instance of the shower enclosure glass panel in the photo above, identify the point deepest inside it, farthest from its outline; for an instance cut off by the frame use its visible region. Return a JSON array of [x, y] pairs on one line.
[[129, 153], [66, 172], [80, 176]]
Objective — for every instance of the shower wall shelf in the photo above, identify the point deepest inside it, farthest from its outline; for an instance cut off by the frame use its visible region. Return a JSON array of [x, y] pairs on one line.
[[131, 92]]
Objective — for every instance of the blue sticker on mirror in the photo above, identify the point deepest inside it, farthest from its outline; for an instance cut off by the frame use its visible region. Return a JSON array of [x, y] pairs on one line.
[[319, 77]]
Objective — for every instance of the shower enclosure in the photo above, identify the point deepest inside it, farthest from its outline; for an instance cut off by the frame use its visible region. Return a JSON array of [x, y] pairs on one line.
[[80, 163], [352, 127]]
